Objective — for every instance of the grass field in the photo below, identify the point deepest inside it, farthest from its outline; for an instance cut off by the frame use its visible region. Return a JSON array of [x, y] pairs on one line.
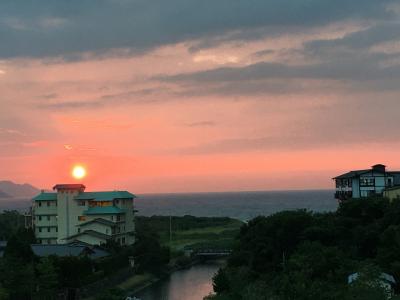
[[217, 236], [188, 231]]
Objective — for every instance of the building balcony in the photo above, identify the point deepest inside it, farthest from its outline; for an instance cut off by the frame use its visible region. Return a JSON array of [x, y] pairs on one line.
[[343, 195], [46, 210]]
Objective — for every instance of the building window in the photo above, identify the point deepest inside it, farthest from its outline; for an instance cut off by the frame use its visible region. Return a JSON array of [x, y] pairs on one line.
[[56, 229], [81, 218], [118, 217], [117, 202], [367, 181], [48, 241], [40, 203], [48, 229], [79, 230], [390, 183], [40, 229], [48, 203], [39, 241], [40, 218], [123, 241], [48, 218], [81, 203], [107, 230]]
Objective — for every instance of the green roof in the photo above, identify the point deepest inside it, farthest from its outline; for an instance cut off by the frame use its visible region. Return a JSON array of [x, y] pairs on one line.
[[98, 220], [99, 210], [105, 196], [45, 197], [97, 196], [90, 232]]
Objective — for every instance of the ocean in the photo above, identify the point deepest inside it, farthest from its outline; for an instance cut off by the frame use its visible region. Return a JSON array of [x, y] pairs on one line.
[[239, 205]]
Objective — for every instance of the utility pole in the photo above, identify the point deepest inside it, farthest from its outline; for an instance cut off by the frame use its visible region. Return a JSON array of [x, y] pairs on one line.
[[170, 232]]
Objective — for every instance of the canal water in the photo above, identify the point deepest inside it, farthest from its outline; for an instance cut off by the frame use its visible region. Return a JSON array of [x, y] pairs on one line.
[[188, 284]]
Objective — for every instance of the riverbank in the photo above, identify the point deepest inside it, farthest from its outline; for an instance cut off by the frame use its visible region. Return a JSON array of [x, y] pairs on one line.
[[192, 283], [137, 283], [186, 233]]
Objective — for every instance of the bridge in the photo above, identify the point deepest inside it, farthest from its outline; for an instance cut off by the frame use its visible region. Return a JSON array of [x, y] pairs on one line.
[[208, 252]]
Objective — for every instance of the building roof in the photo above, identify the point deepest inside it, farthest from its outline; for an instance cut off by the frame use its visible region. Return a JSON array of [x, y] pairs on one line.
[[100, 210], [59, 250], [45, 197], [97, 196], [69, 187], [73, 249], [352, 174], [92, 233], [379, 168], [98, 253], [105, 196], [100, 221]]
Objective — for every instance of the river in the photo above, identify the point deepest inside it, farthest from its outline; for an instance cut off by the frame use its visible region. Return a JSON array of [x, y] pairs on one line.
[[188, 284]]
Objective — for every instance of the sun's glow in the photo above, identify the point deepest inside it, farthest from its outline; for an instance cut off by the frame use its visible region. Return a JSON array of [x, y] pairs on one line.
[[78, 172]]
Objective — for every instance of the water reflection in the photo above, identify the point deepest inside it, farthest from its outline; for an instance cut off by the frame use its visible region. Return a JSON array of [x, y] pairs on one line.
[[189, 284]]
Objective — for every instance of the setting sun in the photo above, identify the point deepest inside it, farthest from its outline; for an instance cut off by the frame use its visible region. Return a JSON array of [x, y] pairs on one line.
[[78, 172]]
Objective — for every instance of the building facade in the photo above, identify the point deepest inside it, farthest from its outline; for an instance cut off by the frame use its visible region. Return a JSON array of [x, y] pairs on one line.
[[365, 183], [70, 214], [392, 193]]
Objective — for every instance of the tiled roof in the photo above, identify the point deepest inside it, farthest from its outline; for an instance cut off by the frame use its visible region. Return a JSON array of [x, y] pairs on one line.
[[59, 250], [98, 253], [105, 196], [45, 197], [74, 249], [98, 220], [97, 196], [353, 174], [69, 187], [100, 210], [92, 233]]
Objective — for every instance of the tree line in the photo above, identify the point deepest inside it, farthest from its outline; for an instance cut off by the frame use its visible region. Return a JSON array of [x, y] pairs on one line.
[[304, 255], [24, 276]]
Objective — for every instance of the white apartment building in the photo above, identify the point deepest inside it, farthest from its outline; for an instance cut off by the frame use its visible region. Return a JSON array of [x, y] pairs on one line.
[[70, 214]]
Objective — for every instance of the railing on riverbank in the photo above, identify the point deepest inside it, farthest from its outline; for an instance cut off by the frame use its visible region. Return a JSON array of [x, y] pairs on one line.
[[207, 252]]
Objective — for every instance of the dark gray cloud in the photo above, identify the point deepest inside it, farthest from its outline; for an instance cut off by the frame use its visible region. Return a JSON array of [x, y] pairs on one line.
[[349, 61], [359, 40], [142, 96], [353, 67], [44, 28]]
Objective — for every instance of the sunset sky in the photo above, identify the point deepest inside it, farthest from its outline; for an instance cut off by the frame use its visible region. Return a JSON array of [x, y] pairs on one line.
[[210, 95]]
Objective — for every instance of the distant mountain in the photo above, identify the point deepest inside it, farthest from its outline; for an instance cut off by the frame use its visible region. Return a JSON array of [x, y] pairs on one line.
[[10, 189], [4, 195]]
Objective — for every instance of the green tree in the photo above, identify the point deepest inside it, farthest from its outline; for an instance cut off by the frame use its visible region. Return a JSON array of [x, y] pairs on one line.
[[18, 278], [47, 280], [368, 286], [111, 294], [149, 254]]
